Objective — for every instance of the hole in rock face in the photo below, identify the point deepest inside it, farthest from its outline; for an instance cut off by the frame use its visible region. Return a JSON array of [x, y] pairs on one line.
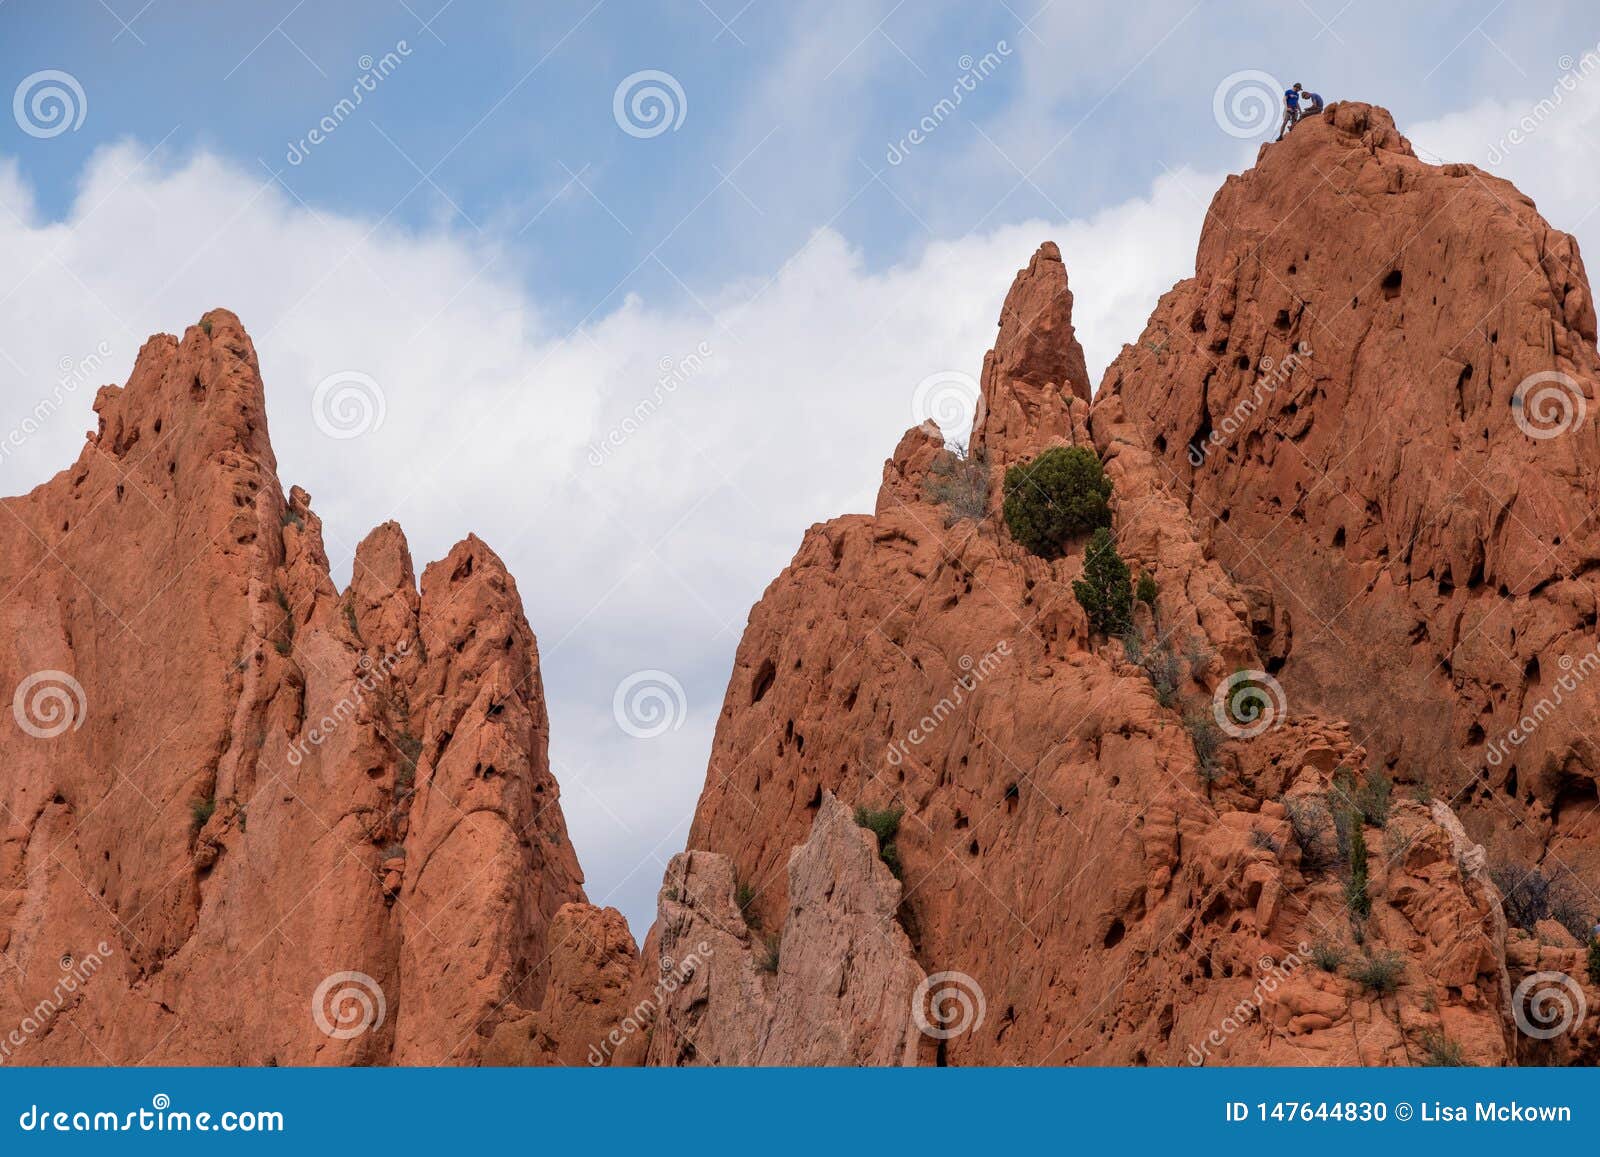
[[1115, 933], [1202, 435], [1391, 284], [1576, 797], [762, 683]]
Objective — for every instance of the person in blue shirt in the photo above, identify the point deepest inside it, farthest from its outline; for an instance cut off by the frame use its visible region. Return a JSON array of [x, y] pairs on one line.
[[1313, 105], [1291, 109]]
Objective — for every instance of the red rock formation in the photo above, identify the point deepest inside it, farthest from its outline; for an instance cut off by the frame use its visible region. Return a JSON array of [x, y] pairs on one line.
[[282, 826], [1376, 397], [250, 819], [1064, 854], [836, 987], [1035, 374]]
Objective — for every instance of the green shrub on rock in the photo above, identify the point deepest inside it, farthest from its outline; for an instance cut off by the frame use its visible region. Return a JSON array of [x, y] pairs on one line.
[[1105, 591], [1062, 493]]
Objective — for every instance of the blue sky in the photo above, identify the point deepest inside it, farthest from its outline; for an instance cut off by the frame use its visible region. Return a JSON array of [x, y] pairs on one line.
[[514, 272], [790, 110]]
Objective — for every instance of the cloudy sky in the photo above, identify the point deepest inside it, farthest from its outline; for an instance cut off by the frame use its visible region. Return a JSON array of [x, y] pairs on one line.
[[791, 214]]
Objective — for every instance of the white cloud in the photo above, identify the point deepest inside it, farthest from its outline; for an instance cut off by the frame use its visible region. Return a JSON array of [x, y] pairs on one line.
[[1543, 143], [795, 391]]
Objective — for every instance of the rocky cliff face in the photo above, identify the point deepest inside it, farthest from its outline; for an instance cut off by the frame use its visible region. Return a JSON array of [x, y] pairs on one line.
[[1376, 398], [250, 820], [1087, 884]]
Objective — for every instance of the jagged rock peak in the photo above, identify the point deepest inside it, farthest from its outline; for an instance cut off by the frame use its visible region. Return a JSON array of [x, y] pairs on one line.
[[1036, 368]]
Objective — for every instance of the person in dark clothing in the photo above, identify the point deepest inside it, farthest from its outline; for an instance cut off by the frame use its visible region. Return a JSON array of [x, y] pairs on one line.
[[1291, 109], [1312, 107]]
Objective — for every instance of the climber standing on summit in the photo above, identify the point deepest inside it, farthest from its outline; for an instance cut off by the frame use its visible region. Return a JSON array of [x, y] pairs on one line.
[[1291, 109]]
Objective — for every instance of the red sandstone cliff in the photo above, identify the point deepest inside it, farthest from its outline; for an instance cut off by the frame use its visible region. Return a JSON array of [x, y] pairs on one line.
[[1388, 378], [271, 802], [1062, 850], [272, 814]]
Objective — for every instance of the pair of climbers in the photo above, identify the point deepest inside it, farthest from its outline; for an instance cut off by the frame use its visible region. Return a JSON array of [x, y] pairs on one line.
[[1293, 112]]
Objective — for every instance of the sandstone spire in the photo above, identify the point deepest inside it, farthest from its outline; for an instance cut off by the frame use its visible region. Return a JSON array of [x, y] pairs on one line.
[[225, 777], [1036, 367]]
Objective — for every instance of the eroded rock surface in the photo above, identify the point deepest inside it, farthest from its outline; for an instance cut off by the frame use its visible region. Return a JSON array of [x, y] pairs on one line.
[[1377, 399], [1067, 853], [837, 986], [284, 824], [275, 814]]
